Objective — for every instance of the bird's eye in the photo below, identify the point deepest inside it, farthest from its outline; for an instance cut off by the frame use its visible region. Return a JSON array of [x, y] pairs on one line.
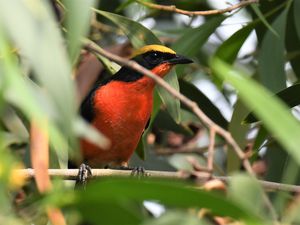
[[153, 58], [154, 55]]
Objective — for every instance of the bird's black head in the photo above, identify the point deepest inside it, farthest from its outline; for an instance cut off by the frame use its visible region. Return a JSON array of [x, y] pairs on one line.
[[158, 58]]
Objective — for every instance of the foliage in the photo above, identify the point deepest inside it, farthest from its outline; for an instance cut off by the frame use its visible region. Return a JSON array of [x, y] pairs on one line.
[[41, 47]]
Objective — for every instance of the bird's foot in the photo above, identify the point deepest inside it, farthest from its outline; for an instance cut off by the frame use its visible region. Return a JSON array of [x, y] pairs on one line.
[[138, 171], [84, 174]]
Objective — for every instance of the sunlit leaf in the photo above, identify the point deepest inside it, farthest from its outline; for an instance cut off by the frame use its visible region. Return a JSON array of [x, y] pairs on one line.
[[274, 114], [289, 96]]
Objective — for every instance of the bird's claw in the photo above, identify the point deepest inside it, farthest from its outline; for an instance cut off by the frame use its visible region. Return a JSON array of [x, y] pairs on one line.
[[84, 174], [138, 171]]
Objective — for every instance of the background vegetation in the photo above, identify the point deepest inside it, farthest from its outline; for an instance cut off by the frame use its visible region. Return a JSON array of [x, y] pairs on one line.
[[45, 72]]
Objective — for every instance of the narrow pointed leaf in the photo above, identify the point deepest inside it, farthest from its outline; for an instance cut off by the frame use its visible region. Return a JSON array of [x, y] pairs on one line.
[[274, 114]]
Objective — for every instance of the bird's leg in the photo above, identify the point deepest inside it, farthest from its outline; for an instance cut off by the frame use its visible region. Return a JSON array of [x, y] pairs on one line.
[[84, 174], [136, 171]]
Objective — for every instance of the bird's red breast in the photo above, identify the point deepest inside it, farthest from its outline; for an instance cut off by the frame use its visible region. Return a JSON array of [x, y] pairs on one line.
[[122, 110]]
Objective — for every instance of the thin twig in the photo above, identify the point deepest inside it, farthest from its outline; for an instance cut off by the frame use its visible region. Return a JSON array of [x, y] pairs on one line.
[[184, 149], [91, 46], [211, 147], [71, 174], [172, 8]]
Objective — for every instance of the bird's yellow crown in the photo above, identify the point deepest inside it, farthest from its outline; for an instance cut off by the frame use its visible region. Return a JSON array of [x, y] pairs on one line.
[[148, 48]]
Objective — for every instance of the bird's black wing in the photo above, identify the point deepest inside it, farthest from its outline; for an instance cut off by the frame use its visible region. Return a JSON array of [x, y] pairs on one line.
[[87, 106], [147, 124]]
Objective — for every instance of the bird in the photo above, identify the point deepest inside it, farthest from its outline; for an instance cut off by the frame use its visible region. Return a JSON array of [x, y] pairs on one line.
[[120, 108]]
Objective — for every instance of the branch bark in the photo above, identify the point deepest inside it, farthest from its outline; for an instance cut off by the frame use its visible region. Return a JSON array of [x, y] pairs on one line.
[[172, 8], [71, 174]]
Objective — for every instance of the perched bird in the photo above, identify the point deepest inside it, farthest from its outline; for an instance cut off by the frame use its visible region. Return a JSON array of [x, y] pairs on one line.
[[120, 107]]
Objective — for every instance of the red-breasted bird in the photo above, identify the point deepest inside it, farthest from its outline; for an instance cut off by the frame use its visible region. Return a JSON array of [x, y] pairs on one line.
[[120, 107]]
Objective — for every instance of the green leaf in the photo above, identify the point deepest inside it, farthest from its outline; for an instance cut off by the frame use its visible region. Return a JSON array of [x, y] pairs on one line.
[[77, 18], [126, 191], [142, 145], [239, 133], [263, 19], [271, 56], [110, 213], [110, 67], [140, 36], [178, 218], [165, 122], [191, 41], [140, 149], [90, 133], [247, 192], [172, 104], [8, 139], [230, 48], [124, 5], [259, 140], [274, 114], [289, 96], [228, 52], [292, 42], [17, 91], [277, 160], [297, 16], [42, 44], [14, 124], [193, 93], [137, 33]]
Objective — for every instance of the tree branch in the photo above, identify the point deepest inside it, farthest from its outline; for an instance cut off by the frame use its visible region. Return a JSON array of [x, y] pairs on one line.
[[71, 174], [172, 8], [211, 148]]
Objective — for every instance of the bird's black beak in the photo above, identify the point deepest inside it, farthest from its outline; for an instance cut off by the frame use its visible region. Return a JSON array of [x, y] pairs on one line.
[[179, 59]]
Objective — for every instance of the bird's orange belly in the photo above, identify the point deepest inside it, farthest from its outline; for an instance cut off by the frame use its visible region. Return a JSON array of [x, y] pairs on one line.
[[121, 116]]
